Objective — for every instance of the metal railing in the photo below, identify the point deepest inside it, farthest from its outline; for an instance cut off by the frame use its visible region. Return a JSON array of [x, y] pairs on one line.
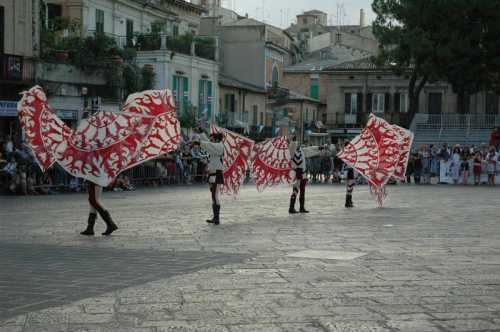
[[202, 48], [17, 68], [455, 121]]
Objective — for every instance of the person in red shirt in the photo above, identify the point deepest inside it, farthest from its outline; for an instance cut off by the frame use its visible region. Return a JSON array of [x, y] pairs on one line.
[[494, 137]]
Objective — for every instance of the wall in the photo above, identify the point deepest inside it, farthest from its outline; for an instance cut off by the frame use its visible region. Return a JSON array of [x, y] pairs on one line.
[[242, 54], [116, 12], [21, 31], [245, 101], [340, 83], [255, 99], [301, 83], [346, 39], [192, 67]]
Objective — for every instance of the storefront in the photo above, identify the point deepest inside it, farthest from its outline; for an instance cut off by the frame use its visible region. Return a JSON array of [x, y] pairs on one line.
[[9, 123]]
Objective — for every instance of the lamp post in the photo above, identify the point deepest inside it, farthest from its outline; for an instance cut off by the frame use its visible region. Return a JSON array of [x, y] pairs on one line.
[[84, 93]]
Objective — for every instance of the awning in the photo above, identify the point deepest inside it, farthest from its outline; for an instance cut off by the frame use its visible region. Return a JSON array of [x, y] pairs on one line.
[[8, 108]]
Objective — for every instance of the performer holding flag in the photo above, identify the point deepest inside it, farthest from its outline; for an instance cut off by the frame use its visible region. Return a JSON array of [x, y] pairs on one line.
[[104, 144], [298, 157], [350, 183], [215, 149]]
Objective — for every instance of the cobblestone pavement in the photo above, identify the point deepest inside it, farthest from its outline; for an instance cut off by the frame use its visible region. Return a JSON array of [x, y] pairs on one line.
[[429, 261]]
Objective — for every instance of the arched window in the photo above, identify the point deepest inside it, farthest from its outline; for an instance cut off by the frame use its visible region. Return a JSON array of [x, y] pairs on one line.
[[276, 75]]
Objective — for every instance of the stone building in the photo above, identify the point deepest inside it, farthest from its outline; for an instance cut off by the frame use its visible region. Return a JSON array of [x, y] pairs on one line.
[[19, 46], [243, 105]]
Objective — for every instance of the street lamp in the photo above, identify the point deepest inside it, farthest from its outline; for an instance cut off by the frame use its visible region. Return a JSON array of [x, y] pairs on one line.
[[84, 93]]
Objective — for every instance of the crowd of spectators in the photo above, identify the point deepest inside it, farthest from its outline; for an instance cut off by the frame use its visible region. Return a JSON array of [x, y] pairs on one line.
[[20, 174], [463, 164]]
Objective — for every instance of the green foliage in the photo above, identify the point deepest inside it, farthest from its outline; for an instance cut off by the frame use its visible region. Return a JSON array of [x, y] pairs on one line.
[[451, 40], [131, 83], [147, 78], [188, 119]]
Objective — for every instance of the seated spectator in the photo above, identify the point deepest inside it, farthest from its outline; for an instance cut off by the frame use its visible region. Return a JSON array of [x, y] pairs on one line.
[[122, 183]]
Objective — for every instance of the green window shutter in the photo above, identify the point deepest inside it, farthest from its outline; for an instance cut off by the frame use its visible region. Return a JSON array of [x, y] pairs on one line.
[[175, 92], [226, 102], [314, 88], [209, 99], [314, 91], [201, 97], [185, 94]]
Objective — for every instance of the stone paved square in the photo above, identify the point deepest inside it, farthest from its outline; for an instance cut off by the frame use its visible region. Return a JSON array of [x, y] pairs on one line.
[[436, 269]]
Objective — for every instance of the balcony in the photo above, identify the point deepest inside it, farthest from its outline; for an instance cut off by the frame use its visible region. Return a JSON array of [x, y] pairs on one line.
[[202, 47], [235, 120], [17, 68]]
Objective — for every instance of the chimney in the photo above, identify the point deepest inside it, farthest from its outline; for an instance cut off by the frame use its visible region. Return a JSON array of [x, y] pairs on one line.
[[362, 18]]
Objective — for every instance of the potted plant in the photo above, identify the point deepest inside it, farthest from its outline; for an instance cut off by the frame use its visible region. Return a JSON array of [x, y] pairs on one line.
[[62, 55]]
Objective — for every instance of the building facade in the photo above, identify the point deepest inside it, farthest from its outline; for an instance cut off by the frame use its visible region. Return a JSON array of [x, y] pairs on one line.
[[242, 105], [19, 47]]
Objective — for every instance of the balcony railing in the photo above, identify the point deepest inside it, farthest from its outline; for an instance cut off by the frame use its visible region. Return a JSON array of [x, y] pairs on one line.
[[17, 68], [203, 47], [235, 119], [455, 121]]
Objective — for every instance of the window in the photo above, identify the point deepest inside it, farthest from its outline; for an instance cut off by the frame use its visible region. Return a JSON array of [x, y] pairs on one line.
[[305, 20], [261, 122], [378, 103], [205, 99], [403, 103], [275, 78], [130, 32], [435, 101], [351, 103], [181, 93], [2, 32], [53, 11], [491, 103], [99, 21], [255, 112], [314, 89], [175, 30], [230, 103]]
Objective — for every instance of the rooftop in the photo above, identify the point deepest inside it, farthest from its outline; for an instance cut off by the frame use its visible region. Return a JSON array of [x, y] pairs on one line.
[[229, 81]]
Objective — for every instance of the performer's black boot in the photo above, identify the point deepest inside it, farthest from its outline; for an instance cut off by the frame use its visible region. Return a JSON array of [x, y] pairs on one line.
[[110, 225], [302, 202], [292, 210], [90, 225], [216, 211], [348, 201]]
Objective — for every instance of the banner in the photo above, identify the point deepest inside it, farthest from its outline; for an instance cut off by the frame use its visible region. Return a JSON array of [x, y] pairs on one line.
[[445, 174]]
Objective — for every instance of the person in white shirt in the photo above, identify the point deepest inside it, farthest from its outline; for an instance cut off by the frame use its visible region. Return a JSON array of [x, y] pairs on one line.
[[215, 149], [298, 157]]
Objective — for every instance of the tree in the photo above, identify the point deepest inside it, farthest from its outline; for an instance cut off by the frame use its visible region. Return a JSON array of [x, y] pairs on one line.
[[450, 40], [469, 60], [406, 46]]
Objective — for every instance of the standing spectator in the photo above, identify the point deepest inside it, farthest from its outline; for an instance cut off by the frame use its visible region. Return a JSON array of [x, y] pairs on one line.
[[444, 154], [417, 168], [434, 162], [492, 165], [9, 147], [495, 137], [196, 161], [426, 165], [478, 159], [464, 168], [409, 169], [455, 164], [326, 164]]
